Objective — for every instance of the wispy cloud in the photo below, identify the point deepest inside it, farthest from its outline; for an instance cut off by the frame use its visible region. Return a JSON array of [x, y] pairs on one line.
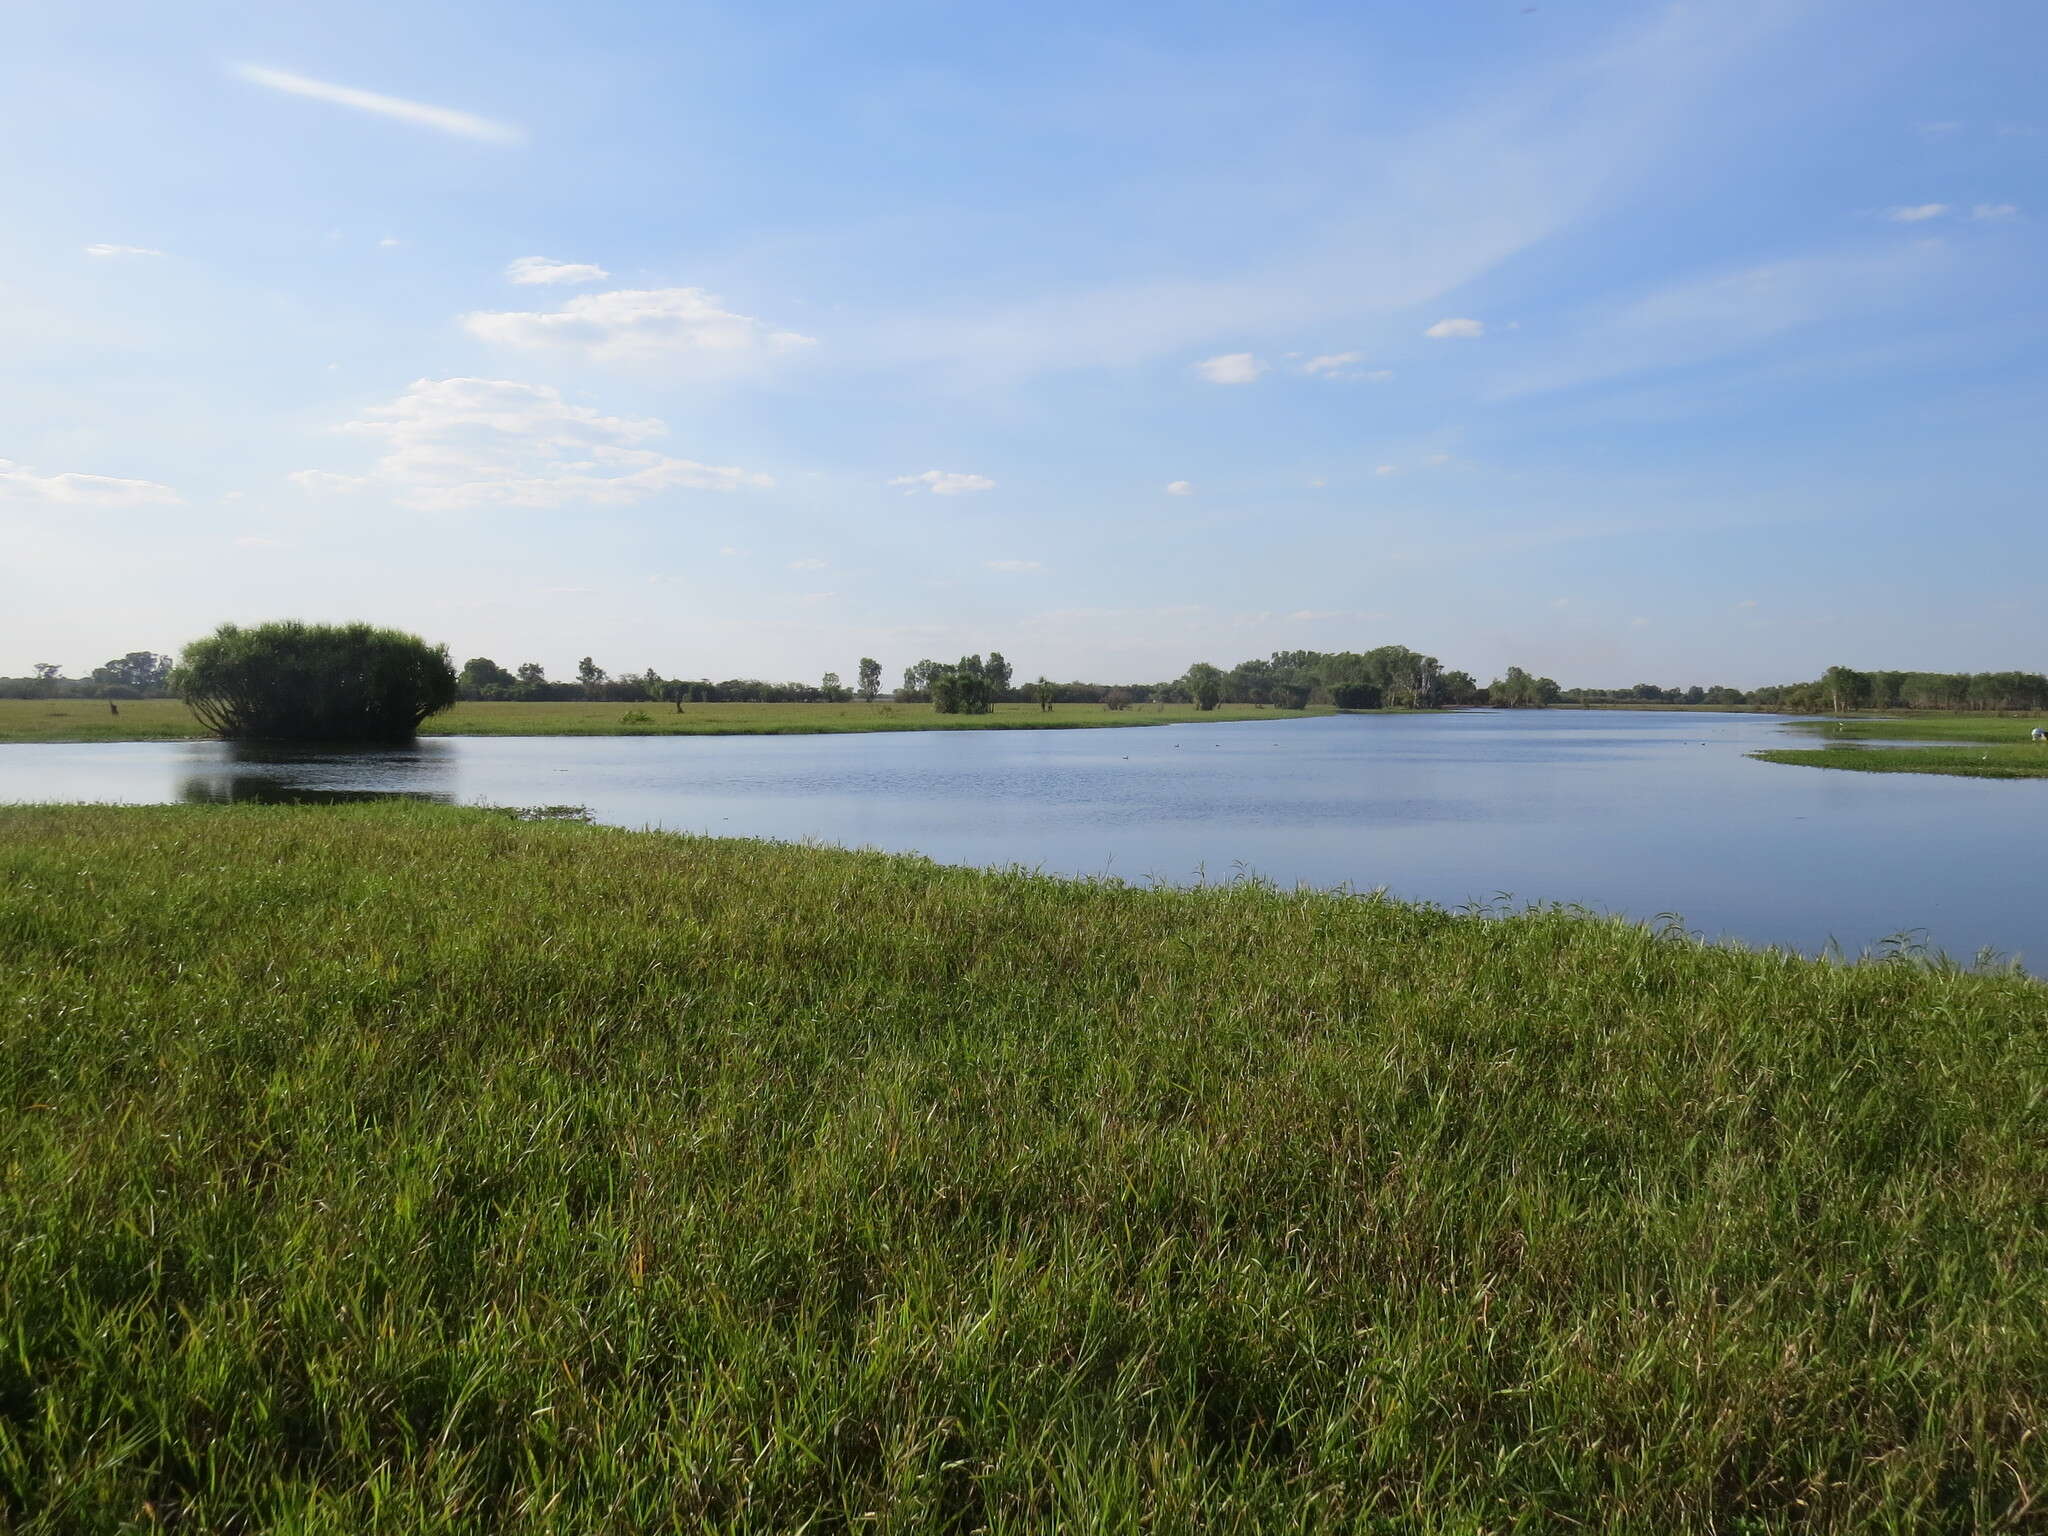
[[1916, 213], [465, 125], [810, 563], [1994, 211], [19, 482], [120, 250], [452, 444], [640, 324], [944, 482], [1180, 488], [538, 269], [1456, 328], [1718, 314], [1015, 566], [1231, 368]]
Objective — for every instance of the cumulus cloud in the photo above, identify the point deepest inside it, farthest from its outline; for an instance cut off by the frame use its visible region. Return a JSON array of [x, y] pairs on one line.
[[1331, 362], [20, 483], [1013, 565], [1994, 211], [538, 269], [452, 444], [1917, 213], [943, 482], [1231, 368], [465, 125], [810, 563], [1180, 488], [1455, 328], [120, 250], [639, 324]]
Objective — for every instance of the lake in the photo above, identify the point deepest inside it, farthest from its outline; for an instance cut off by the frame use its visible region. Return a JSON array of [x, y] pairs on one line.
[[1637, 813]]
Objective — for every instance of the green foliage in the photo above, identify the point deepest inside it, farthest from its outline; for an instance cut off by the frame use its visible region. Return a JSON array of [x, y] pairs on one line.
[[290, 681], [1204, 685], [1043, 693], [870, 679], [1518, 690], [379, 1169], [962, 689], [483, 678], [143, 672]]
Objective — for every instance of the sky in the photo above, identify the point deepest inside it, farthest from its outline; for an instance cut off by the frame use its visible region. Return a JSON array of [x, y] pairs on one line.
[[1624, 342]]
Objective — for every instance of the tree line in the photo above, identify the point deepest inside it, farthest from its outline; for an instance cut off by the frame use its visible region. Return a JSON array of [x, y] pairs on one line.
[[1387, 677]]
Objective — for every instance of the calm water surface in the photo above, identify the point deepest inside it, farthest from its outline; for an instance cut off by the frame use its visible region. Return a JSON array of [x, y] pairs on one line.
[[1642, 814]]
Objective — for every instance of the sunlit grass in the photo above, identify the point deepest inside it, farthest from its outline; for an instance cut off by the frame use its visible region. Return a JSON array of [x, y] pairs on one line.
[[408, 1169], [2000, 746], [167, 719]]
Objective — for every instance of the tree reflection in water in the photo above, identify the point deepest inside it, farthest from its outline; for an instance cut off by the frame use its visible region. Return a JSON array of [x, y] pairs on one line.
[[256, 773]]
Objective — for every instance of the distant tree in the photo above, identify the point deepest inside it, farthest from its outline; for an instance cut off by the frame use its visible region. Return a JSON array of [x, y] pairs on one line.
[[831, 684], [1043, 692], [530, 672], [591, 676], [962, 689], [314, 682], [48, 671], [143, 671], [1117, 699], [1289, 695], [997, 670], [1849, 689], [1204, 684], [918, 679], [870, 679], [1455, 688], [1355, 696], [483, 678]]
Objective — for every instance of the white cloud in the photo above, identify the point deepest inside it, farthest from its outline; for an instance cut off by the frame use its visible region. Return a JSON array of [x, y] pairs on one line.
[[1638, 623], [120, 250], [1747, 602], [816, 597], [1180, 488], [252, 541], [1384, 469], [1437, 460], [538, 269], [325, 481], [1013, 565], [1332, 362], [1994, 211], [1937, 130], [463, 124], [1231, 368], [1918, 213], [729, 550], [1317, 485], [942, 482], [457, 443], [390, 240], [812, 563], [1456, 328], [20, 483], [639, 324]]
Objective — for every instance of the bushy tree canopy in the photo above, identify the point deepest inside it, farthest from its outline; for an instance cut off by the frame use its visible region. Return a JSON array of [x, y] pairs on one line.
[[314, 682]]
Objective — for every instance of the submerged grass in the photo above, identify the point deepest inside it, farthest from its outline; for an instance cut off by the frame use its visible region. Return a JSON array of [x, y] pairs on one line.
[[398, 1168], [1969, 746], [60, 720]]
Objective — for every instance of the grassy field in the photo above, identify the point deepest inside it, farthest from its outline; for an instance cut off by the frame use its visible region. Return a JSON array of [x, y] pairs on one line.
[[408, 1169], [1970, 746], [167, 719]]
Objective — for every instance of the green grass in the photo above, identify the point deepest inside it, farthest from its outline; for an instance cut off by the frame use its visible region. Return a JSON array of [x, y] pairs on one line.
[[408, 1169], [166, 719], [1977, 746]]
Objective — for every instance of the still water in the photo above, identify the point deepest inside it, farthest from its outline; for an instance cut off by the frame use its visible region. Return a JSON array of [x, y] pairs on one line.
[[1642, 814]]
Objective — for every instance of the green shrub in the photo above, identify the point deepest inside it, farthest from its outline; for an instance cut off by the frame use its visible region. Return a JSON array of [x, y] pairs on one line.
[[290, 681]]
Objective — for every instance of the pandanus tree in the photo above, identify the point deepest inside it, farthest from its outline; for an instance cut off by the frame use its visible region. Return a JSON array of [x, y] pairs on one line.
[[314, 682]]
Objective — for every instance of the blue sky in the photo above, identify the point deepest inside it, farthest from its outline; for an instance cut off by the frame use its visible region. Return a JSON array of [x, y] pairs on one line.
[[1624, 342]]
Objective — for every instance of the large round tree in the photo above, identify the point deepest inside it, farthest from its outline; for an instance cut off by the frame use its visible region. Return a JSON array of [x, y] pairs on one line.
[[314, 682]]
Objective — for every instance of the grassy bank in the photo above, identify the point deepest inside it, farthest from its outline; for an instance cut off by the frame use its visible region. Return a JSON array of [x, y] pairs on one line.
[[168, 720], [379, 1169], [1970, 746]]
